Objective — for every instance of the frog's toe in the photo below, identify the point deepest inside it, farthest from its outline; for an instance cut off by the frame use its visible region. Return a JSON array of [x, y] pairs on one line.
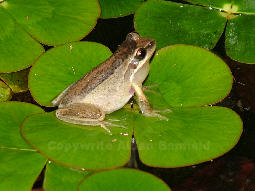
[[106, 128], [106, 124], [155, 113]]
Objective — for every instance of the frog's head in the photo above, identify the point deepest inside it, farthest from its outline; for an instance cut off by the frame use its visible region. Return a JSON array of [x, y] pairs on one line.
[[140, 52]]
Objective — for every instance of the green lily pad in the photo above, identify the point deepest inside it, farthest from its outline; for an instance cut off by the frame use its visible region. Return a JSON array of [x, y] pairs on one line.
[[17, 81], [189, 76], [53, 22], [58, 178], [18, 49], [122, 180], [201, 25], [190, 136], [238, 6], [19, 169], [15, 153], [5, 92], [174, 23], [89, 147], [59, 67], [240, 39], [182, 79], [115, 8]]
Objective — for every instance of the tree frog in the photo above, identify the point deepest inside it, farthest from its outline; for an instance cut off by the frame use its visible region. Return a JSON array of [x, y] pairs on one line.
[[109, 86]]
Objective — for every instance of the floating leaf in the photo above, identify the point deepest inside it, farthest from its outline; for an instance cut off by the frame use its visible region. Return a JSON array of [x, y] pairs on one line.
[[115, 8], [237, 6], [123, 179], [59, 67], [201, 25], [174, 23], [15, 153], [240, 38], [88, 147], [54, 22], [17, 81], [190, 76], [190, 136], [182, 78], [19, 169], [60, 178], [5, 92], [18, 49]]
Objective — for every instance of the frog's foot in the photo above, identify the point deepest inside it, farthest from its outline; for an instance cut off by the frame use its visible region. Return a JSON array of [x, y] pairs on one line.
[[106, 124], [155, 113]]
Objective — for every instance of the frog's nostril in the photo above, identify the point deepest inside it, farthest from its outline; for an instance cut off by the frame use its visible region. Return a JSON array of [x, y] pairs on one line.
[[151, 43]]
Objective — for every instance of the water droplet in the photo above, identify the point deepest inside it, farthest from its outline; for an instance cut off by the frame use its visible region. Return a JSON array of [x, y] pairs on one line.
[[73, 70], [125, 134], [181, 6], [150, 140], [210, 8], [49, 161], [114, 140], [71, 47]]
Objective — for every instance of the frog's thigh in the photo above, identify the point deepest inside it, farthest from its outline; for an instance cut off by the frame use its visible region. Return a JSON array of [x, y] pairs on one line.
[[81, 113]]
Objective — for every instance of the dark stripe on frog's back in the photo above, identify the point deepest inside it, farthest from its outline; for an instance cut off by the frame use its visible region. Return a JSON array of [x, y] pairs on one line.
[[100, 73]]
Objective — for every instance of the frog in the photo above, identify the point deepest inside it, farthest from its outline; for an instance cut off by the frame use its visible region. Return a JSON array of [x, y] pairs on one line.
[[109, 86]]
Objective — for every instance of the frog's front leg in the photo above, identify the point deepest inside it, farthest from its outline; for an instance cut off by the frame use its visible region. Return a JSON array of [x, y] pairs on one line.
[[83, 114], [144, 103]]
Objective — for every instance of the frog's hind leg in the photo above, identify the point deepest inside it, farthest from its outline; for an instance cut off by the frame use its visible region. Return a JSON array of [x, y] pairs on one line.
[[84, 114]]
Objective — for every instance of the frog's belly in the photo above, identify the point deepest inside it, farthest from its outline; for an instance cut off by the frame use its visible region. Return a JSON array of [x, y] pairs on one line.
[[109, 100]]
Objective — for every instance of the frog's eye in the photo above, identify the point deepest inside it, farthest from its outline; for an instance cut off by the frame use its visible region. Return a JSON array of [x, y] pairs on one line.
[[140, 54]]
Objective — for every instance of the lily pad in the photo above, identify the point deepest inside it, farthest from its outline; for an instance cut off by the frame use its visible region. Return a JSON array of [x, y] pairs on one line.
[[179, 23], [122, 180], [60, 178], [181, 77], [17, 81], [53, 22], [189, 76], [89, 147], [18, 49], [5, 92], [59, 67], [190, 136], [184, 78], [15, 153], [240, 38], [201, 25], [115, 8], [237, 6]]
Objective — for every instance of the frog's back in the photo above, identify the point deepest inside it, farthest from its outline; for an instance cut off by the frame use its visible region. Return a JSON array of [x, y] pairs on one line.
[[102, 85]]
